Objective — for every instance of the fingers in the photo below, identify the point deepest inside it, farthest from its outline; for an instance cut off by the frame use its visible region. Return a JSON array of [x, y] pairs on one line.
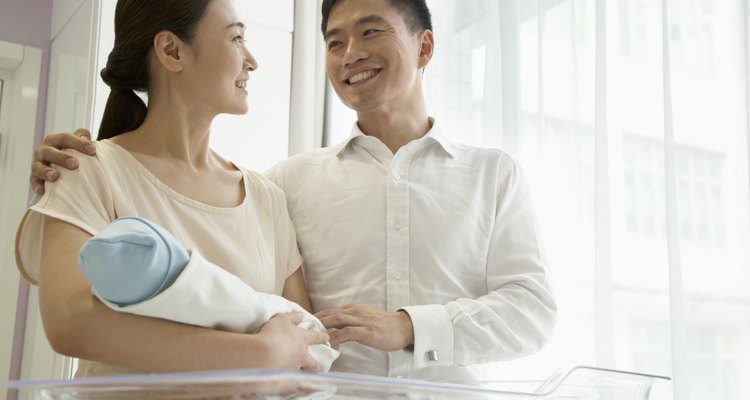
[[80, 140], [339, 320], [83, 134], [336, 310], [295, 317], [325, 313], [311, 365], [315, 337], [358, 334], [47, 155], [310, 336], [39, 173], [37, 186]]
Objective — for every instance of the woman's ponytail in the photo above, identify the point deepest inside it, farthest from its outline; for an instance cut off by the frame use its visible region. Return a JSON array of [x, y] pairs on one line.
[[124, 112], [136, 23]]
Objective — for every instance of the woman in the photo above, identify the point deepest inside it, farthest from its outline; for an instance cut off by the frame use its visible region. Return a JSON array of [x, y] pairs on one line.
[[190, 57]]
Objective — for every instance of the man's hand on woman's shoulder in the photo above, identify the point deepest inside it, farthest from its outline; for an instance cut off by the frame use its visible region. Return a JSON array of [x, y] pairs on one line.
[[51, 152]]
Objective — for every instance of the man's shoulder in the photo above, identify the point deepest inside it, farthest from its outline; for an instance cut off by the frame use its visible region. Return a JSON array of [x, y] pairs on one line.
[[467, 153], [304, 160], [314, 155], [259, 181]]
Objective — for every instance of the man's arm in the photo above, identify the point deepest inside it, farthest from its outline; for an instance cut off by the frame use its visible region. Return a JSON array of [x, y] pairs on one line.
[[50, 152]]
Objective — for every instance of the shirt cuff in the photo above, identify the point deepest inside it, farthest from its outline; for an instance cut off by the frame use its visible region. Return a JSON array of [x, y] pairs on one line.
[[433, 335]]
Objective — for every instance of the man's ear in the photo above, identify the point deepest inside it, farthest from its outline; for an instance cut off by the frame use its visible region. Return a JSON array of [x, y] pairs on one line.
[[426, 46], [168, 49]]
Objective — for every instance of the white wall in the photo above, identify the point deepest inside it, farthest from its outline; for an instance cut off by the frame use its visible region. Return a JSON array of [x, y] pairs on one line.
[[260, 138], [66, 108], [20, 67]]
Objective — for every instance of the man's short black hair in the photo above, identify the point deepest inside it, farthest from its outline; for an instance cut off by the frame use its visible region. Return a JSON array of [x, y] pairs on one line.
[[415, 12]]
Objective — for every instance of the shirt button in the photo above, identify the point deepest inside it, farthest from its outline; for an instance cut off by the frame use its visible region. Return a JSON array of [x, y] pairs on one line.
[[397, 275], [397, 176], [398, 227]]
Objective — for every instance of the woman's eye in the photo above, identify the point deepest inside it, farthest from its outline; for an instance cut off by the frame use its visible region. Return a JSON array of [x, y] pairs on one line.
[[238, 38]]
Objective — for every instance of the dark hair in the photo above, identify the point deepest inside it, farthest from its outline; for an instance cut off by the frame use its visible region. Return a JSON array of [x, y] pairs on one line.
[[127, 70], [415, 12]]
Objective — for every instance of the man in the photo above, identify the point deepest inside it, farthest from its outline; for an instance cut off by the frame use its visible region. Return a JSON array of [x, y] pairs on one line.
[[421, 255]]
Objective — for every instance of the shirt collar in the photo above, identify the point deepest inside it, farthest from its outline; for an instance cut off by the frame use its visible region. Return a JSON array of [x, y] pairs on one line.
[[434, 134], [346, 144]]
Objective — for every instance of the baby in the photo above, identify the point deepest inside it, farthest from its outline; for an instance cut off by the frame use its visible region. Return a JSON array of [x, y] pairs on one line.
[[135, 266]]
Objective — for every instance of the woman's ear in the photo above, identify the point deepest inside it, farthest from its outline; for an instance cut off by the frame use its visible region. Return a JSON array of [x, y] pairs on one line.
[[426, 47], [168, 49]]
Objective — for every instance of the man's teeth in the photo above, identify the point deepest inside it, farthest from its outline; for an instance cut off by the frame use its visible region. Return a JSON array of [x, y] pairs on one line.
[[241, 84], [362, 76]]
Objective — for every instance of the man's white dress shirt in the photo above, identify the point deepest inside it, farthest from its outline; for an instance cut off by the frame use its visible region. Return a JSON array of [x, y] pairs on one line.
[[443, 231]]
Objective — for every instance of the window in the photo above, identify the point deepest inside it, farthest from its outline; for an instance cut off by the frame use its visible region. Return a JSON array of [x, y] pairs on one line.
[[634, 26], [700, 191], [701, 195], [692, 35], [643, 165]]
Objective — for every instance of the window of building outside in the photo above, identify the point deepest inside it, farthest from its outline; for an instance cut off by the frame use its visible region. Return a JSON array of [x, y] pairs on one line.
[[556, 147]]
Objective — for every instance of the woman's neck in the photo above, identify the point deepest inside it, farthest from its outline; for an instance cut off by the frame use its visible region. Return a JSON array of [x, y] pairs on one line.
[[175, 150], [177, 136]]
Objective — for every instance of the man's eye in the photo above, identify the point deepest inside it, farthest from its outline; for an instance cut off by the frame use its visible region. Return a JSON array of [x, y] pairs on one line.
[[333, 43], [370, 31], [238, 38]]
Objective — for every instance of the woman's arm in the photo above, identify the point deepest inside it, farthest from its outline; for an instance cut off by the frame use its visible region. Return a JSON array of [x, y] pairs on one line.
[[296, 291], [78, 325]]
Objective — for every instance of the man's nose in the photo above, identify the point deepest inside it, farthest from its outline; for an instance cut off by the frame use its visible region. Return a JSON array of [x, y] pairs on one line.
[[354, 52]]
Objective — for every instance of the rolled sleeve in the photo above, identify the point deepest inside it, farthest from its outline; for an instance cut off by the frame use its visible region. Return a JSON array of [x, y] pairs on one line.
[[433, 335]]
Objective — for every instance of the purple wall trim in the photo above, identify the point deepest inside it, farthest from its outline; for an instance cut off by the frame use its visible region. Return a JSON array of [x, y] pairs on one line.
[[18, 335], [29, 22]]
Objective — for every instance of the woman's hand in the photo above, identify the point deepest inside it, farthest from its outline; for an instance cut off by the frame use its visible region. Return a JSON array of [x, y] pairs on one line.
[[50, 152], [288, 343]]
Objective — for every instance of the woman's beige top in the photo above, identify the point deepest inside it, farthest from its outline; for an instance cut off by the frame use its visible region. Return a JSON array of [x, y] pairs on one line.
[[255, 240]]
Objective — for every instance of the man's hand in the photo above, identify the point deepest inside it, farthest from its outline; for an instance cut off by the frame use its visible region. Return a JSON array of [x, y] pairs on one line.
[[288, 343], [50, 152], [387, 331]]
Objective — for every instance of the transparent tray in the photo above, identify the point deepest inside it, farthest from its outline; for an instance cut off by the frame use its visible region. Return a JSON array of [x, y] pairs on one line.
[[573, 383]]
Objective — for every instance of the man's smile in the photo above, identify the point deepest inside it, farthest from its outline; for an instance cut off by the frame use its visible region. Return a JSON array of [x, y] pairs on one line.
[[362, 76]]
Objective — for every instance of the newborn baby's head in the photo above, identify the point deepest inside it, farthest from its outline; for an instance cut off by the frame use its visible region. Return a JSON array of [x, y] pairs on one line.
[[132, 260]]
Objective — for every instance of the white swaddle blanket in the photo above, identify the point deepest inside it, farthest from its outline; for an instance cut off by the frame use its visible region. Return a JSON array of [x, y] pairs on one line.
[[202, 294]]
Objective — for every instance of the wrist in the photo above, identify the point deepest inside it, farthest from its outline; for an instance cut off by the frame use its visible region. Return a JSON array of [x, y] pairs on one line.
[[407, 328], [263, 349]]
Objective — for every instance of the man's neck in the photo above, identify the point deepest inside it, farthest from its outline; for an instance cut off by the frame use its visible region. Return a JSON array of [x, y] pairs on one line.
[[395, 130]]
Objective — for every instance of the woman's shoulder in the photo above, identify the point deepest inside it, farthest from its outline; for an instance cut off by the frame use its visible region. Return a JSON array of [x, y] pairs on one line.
[[262, 190], [260, 181], [102, 168]]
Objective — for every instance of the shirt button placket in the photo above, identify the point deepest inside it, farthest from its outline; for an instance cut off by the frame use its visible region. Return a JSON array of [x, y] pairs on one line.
[[397, 277]]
